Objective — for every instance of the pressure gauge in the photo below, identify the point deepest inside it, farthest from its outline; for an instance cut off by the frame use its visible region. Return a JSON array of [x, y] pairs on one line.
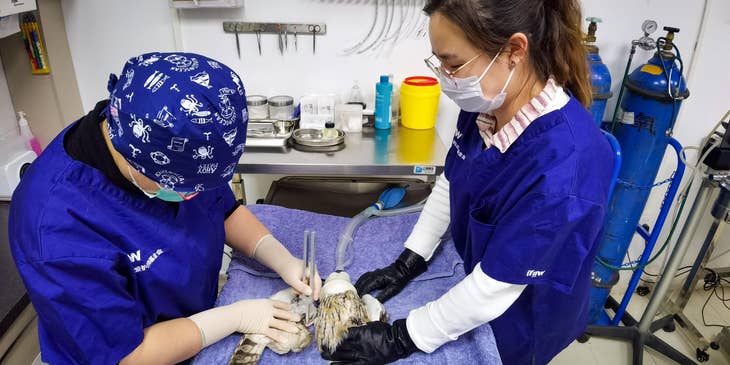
[[646, 43], [649, 26]]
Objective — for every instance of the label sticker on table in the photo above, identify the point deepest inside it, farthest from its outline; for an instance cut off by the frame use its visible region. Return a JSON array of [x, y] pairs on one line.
[[424, 170]]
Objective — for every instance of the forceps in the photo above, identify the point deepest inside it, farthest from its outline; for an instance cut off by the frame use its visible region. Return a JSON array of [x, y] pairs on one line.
[[308, 256]]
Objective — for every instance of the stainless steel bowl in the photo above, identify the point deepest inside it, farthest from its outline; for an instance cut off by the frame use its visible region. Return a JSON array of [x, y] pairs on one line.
[[314, 138]]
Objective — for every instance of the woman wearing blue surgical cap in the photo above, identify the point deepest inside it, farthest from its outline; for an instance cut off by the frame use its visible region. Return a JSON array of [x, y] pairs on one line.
[[118, 227], [524, 190]]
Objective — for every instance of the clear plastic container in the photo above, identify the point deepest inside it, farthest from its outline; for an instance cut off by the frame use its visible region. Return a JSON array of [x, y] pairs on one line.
[[349, 117], [281, 107], [258, 107]]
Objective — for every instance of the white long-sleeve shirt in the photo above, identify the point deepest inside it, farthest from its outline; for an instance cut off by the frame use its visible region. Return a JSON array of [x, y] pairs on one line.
[[472, 302]]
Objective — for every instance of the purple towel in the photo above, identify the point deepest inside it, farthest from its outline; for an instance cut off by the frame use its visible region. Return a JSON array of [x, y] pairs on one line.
[[377, 243]]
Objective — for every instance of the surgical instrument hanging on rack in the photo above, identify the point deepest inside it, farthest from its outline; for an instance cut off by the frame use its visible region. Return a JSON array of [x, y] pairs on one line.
[[238, 46], [383, 32], [281, 30], [258, 41], [314, 29]]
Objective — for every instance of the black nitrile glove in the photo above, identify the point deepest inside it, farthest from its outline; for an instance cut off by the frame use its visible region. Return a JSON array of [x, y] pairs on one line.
[[374, 343], [392, 278]]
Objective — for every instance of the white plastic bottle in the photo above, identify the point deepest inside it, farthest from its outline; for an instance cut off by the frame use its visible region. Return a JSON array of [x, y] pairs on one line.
[[31, 143], [394, 101]]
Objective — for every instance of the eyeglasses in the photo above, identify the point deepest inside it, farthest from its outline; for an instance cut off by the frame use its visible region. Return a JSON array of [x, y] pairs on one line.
[[443, 73]]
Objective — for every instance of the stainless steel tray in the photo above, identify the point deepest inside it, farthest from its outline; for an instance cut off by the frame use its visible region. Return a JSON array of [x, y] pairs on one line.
[[270, 127], [269, 132]]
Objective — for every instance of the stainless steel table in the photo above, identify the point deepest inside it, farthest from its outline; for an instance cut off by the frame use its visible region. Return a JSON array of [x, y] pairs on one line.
[[395, 152]]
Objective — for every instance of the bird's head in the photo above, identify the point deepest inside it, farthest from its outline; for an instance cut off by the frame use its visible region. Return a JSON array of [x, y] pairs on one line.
[[337, 283]]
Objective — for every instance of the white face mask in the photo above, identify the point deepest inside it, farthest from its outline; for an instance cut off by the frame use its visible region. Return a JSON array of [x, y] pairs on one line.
[[467, 92]]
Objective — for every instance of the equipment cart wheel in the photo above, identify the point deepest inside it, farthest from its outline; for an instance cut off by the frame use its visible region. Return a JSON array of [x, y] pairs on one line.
[[702, 356]]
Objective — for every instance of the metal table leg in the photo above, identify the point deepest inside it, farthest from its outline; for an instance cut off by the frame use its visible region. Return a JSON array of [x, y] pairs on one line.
[[239, 188]]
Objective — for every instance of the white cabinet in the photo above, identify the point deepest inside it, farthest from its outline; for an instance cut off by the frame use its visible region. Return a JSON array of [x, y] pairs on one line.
[[10, 7]]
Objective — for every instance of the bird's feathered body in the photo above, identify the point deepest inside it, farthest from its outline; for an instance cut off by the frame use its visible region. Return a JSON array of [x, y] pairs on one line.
[[251, 346], [341, 308]]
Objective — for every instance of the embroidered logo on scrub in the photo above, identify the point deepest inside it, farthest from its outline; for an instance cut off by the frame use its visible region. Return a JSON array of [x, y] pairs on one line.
[[457, 146], [136, 257], [534, 273]]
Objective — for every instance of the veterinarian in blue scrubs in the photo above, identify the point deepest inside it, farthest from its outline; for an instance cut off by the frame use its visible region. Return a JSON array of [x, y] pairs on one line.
[[524, 190], [118, 227]]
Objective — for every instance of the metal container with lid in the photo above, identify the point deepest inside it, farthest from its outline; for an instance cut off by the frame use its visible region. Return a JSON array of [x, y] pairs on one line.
[[281, 107], [257, 107]]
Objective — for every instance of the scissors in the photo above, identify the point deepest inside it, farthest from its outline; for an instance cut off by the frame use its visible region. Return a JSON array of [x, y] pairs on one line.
[[314, 28]]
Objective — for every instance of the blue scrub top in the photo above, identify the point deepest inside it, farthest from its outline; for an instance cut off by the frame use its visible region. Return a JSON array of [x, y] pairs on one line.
[[533, 216], [101, 264]]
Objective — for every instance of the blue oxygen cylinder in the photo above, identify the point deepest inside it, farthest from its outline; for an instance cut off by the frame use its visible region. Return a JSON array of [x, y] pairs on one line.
[[600, 76], [648, 114]]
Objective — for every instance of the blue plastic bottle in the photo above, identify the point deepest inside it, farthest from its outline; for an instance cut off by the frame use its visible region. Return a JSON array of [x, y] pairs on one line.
[[383, 93]]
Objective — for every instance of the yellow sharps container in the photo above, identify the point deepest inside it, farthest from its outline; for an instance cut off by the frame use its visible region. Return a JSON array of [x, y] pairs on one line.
[[419, 102]]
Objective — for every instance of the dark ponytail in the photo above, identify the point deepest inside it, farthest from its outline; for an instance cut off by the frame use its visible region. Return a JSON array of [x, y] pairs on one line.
[[552, 27], [567, 61]]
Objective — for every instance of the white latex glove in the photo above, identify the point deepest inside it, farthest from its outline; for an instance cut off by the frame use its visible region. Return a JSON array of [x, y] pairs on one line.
[[270, 252], [261, 316]]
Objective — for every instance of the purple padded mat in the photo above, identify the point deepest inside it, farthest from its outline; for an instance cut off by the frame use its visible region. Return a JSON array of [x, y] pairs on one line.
[[377, 243]]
